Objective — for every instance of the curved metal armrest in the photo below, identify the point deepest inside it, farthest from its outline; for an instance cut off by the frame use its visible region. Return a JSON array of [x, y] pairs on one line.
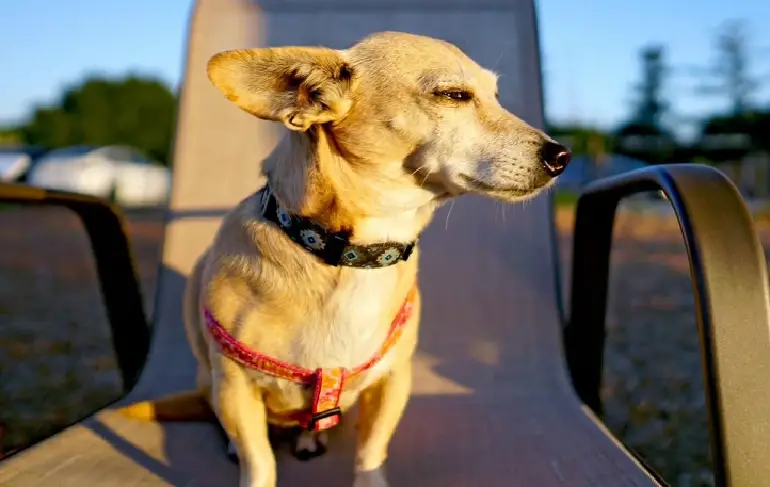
[[117, 278], [729, 277]]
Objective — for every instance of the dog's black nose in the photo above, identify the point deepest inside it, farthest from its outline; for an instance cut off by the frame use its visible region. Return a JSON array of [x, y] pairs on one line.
[[555, 158]]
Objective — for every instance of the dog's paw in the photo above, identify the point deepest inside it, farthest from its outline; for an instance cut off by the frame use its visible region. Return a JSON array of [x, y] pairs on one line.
[[309, 445], [371, 478]]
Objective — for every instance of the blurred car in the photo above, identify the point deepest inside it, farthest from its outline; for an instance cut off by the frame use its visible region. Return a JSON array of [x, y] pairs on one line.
[[118, 173], [15, 162]]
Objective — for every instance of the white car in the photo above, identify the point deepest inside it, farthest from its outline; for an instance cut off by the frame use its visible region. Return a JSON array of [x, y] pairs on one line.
[[118, 173], [15, 162]]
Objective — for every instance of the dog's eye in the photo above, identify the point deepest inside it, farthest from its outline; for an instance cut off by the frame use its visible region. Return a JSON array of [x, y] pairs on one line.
[[456, 95]]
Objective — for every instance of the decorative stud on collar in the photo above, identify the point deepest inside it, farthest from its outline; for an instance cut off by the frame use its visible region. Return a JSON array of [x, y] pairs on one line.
[[334, 248]]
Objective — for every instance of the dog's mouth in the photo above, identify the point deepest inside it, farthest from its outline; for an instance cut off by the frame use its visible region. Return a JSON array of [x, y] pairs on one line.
[[488, 188]]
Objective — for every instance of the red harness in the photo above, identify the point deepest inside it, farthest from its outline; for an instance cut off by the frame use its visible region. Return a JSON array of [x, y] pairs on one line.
[[327, 382]]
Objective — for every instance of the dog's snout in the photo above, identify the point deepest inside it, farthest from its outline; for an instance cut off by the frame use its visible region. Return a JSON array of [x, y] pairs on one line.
[[555, 158]]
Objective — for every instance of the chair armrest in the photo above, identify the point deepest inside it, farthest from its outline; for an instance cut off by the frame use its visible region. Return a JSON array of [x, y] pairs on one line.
[[729, 277], [117, 279]]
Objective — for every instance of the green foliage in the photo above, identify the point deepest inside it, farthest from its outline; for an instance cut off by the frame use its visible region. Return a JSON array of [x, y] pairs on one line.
[[132, 111], [703, 160], [649, 143], [10, 136], [732, 137], [583, 140], [565, 198]]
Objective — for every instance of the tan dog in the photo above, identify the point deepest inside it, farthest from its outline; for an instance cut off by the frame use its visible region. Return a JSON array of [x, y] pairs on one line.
[[380, 135]]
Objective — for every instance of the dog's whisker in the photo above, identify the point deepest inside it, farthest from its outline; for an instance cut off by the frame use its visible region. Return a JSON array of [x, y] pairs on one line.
[[499, 58], [449, 212], [419, 169], [422, 184]]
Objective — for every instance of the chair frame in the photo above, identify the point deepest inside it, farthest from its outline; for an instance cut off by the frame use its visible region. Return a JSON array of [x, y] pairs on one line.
[[726, 259]]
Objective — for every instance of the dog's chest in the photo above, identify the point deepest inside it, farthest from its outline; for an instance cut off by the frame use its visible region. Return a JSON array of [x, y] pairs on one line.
[[352, 325], [348, 331]]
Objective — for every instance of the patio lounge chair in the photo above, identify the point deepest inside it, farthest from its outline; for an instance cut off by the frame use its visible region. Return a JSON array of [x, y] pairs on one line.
[[506, 389]]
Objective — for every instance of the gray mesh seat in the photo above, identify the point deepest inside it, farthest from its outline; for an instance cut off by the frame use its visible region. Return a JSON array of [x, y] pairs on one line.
[[492, 404]]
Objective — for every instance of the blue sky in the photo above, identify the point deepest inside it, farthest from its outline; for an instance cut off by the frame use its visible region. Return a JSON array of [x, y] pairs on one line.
[[590, 48]]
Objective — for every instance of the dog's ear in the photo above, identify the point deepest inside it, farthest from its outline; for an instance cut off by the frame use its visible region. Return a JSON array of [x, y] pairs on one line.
[[299, 86]]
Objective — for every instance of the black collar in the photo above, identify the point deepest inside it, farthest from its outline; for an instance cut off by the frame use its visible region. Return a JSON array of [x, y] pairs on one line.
[[334, 248]]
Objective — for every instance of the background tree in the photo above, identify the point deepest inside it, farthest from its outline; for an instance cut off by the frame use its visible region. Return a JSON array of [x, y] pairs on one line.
[[741, 128], [10, 136], [134, 111], [731, 70], [644, 135], [728, 137], [651, 107], [583, 140]]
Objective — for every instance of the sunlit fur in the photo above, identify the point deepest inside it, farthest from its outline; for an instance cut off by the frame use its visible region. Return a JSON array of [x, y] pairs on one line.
[[374, 146]]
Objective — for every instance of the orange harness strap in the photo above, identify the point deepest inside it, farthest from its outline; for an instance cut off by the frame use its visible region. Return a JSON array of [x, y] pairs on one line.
[[328, 383]]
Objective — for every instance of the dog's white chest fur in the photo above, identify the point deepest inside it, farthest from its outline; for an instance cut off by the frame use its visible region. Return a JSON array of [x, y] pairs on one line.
[[348, 331], [354, 322]]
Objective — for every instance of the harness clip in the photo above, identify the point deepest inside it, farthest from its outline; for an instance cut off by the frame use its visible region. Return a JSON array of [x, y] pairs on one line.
[[324, 420]]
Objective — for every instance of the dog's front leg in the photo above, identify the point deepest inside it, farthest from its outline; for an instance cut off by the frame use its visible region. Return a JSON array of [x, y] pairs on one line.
[[242, 413], [380, 410]]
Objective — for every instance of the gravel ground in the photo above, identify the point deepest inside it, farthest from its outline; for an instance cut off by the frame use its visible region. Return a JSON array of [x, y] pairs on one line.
[[56, 359], [653, 385], [56, 363]]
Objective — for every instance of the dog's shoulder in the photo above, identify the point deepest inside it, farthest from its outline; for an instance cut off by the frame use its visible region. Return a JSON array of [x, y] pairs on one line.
[[250, 250], [239, 230]]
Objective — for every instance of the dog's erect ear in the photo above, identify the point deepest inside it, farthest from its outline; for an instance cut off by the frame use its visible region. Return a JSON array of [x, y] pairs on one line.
[[299, 86]]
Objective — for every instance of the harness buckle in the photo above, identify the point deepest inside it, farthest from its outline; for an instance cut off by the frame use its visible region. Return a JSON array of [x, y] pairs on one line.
[[324, 419]]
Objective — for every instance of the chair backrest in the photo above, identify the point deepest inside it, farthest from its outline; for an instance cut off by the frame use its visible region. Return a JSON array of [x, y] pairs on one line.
[[218, 150]]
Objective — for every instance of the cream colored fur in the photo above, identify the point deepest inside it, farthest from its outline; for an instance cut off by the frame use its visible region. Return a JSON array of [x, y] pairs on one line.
[[379, 136]]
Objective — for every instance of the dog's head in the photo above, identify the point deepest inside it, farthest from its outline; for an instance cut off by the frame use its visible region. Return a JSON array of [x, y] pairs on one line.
[[412, 112]]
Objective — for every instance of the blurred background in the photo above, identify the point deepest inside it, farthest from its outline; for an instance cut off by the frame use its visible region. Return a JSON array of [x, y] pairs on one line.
[[88, 100]]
